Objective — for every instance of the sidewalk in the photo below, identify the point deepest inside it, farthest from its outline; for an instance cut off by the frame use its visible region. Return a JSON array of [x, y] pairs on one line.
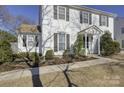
[[15, 74]]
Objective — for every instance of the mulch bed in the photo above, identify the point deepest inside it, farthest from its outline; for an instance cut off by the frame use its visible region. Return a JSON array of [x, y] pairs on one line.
[[7, 66]]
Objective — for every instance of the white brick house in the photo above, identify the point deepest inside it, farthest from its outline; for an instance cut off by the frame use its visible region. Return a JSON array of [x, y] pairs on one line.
[[61, 24]]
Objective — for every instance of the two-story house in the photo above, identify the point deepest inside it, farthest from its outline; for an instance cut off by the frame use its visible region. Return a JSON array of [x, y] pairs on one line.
[[60, 25], [119, 31]]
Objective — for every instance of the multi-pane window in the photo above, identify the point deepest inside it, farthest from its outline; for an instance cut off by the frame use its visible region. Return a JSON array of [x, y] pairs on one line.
[[61, 41], [122, 30], [103, 20], [122, 43], [85, 17], [30, 40], [61, 12]]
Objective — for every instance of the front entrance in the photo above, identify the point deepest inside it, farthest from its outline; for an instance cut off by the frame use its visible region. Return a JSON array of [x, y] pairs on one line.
[[91, 39], [89, 43]]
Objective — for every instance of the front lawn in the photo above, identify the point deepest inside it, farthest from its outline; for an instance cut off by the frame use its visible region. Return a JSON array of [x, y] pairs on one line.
[[8, 66], [110, 74]]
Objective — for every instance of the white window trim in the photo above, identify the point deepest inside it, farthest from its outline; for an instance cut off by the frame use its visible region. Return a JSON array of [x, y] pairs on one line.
[[83, 18], [58, 12], [58, 41], [102, 20], [33, 37]]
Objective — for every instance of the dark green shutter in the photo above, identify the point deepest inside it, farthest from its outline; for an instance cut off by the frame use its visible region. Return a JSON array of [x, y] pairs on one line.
[[90, 18], [37, 41], [81, 17], [55, 11], [55, 42], [68, 41], [67, 14], [24, 40]]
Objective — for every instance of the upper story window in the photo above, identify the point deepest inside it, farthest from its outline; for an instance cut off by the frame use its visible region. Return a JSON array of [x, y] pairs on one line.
[[61, 12], [103, 20], [122, 30], [85, 17]]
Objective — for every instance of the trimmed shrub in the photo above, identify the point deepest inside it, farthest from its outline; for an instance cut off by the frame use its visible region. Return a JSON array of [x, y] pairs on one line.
[[32, 56], [82, 52], [49, 55], [67, 56], [108, 46], [5, 51], [78, 45], [116, 46]]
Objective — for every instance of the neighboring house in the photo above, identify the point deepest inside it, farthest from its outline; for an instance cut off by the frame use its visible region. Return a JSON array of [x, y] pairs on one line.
[[60, 26], [28, 38], [119, 31]]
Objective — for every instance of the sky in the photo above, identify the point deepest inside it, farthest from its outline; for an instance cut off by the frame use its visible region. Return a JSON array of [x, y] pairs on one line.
[[31, 11]]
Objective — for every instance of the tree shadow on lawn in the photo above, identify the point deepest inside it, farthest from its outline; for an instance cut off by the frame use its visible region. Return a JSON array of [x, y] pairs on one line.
[[65, 72], [36, 77]]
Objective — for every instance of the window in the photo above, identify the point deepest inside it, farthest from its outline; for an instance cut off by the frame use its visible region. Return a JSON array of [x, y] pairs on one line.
[[85, 17], [61, 12], [24, 40], [30, 40], [122, 30], [103, 20], [61, 41], [122, 43]]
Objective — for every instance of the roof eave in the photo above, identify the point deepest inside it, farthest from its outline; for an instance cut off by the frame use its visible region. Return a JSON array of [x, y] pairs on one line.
[[93, 10]]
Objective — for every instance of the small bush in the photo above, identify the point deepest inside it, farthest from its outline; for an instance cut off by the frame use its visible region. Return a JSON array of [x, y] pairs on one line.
[[82, 52], [32, 56], [49, 55], [5, 51], [68, 56], [116, 46]]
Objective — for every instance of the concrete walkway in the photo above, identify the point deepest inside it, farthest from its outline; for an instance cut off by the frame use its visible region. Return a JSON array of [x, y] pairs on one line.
[[16, 74]]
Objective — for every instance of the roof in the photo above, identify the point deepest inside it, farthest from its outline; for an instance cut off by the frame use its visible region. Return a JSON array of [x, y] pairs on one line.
[[26, 28], [92, 10], [91, 27]]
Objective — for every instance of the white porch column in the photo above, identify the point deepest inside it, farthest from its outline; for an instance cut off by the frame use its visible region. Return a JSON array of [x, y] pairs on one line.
[[90, 45], [98, 44], [86, 44]]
